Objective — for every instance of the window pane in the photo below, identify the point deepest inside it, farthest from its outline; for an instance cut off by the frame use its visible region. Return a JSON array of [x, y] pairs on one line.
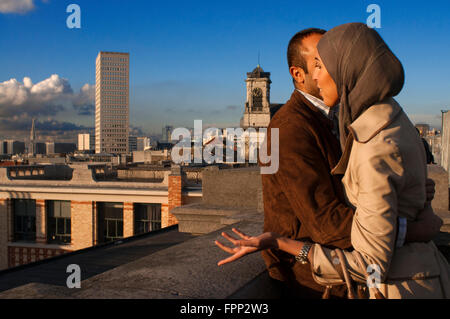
[[49, 207], [119, 229], [60, 226], [18, 224], [20, 207], [111, 228], [58, 221], [57, 205], [31, 207], [51, 228], [24, 219], [65, 209]]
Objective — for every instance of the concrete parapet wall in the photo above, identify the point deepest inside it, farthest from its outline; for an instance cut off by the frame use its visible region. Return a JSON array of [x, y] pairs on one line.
[[440, 176], [226, 194], [135, 174], [238, 188]]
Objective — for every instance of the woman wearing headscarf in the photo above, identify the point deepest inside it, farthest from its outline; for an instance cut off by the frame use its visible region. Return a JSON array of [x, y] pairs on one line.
[[384, 167]]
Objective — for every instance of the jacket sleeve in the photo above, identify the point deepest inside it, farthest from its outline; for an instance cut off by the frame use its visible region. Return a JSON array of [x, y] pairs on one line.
[[379, 175], [305, 178]]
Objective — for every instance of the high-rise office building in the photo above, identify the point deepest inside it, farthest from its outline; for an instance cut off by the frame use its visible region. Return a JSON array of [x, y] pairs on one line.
[[112, 102]]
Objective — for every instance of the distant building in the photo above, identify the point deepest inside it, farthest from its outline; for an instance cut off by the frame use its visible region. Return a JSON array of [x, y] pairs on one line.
[[167, 134], [86, 142], [132, 143], [12, 147], [142, 143], [50, 148], [32, 146], [151, 156], [258, 109], [163, 146], [3, 148], [112, 103], [59, 148], [257, 105], [41, 148]]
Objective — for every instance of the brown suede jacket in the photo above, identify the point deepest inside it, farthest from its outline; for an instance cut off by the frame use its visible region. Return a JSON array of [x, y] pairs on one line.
[[302, 200]]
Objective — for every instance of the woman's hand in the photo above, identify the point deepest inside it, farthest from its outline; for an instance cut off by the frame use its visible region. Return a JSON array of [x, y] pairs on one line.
[[246, 245]]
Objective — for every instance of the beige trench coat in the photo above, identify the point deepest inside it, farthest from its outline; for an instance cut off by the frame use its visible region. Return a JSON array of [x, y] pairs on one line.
[[385, 171]]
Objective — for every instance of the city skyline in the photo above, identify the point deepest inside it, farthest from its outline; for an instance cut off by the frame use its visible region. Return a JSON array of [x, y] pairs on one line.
[[189, 62]]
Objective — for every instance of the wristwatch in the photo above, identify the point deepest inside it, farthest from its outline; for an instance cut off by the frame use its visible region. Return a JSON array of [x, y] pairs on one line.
[[302, 256]]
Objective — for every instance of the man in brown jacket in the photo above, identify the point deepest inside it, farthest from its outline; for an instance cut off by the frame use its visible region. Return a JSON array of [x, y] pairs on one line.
[[302, 200]]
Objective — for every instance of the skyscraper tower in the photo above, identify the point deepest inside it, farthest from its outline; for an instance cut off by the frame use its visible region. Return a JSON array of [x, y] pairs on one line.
[[32, 146], [112, 102]]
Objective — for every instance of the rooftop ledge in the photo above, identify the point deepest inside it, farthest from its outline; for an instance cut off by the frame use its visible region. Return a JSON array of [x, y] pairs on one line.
[[186, 270]]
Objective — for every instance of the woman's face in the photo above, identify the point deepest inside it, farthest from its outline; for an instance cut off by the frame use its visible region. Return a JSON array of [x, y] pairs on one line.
[[325, 83]]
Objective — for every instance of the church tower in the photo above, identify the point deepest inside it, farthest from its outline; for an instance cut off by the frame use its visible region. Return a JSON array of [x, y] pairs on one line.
[[257, 106]]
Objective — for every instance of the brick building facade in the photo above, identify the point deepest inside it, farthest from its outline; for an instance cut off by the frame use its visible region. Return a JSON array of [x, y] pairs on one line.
[[43, 218]]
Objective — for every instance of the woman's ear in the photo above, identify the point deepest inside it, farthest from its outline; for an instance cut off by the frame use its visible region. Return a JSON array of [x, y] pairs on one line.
[[298, 74]]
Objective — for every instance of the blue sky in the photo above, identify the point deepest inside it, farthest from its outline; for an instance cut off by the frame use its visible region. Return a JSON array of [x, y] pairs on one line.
[[188, 59]]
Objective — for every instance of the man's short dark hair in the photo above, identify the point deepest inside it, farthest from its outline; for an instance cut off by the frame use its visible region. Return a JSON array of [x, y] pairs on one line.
[[294, 56]]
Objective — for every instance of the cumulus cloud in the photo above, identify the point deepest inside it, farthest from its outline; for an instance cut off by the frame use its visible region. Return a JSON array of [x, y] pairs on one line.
[[47, 97], [16, 6], [21, 101]]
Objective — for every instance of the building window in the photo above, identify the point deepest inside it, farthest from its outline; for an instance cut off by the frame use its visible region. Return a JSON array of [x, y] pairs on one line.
[[110, 221], [24, 219], [58, 221], [147, 218], [257, 100]]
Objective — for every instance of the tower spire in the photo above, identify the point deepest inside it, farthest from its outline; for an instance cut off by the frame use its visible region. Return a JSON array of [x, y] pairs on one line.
[[258, 58], [32, 148]]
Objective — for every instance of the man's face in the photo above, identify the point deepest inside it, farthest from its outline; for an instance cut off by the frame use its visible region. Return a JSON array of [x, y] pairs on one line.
[[309, 51]]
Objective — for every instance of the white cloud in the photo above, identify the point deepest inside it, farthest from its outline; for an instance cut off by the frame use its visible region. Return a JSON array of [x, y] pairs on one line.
[[16, 6], [47, 97]]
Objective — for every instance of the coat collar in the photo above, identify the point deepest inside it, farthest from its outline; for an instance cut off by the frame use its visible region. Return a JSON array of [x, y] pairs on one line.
[[299, 99], [366, 126], [374, 119]]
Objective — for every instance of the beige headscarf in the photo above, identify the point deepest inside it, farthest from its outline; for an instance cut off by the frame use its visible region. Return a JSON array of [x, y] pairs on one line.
[[364, 68]]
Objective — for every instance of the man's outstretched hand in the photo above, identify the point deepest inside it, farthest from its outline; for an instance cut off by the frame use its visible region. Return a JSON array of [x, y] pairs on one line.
[[247, 245]]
